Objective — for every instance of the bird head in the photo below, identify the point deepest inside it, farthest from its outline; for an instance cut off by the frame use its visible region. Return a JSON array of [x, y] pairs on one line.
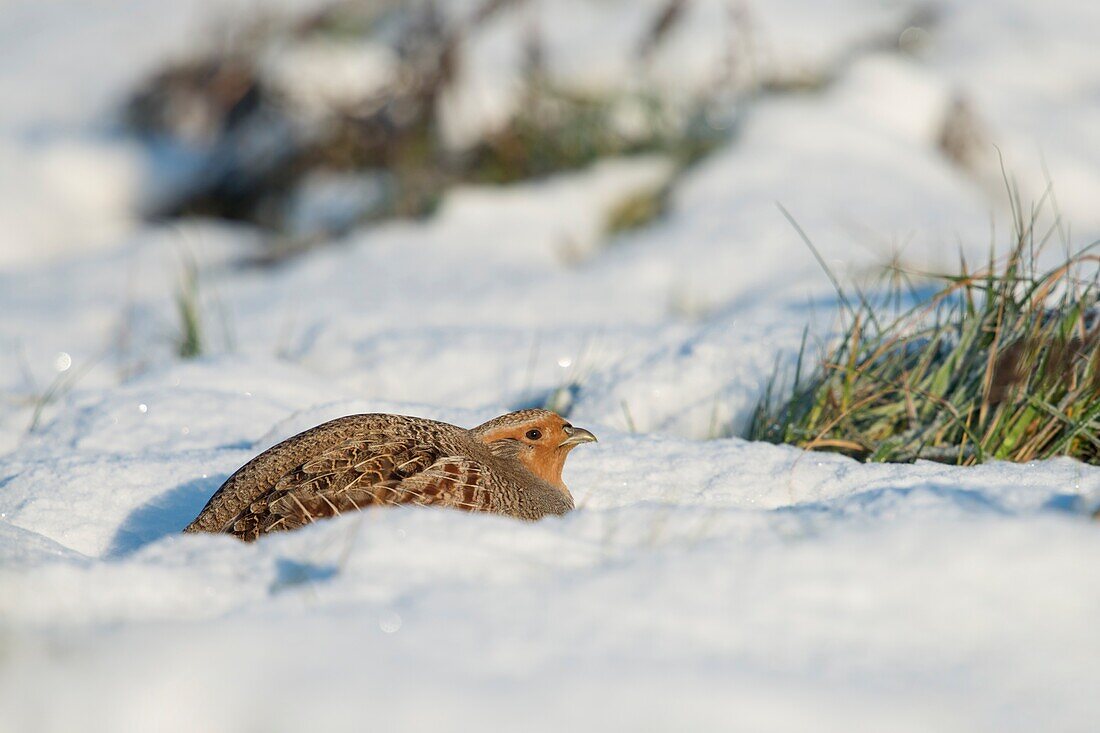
[[539, 439]]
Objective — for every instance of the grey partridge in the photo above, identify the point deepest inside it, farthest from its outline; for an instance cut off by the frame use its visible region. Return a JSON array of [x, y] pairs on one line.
[[509, 465]]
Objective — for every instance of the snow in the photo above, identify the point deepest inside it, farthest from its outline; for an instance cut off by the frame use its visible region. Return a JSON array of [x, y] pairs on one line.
[[322, 76], [1045, 114], [704, 582]]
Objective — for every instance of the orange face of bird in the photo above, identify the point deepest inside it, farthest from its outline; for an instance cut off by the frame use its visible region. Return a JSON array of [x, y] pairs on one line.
[[540, 439]]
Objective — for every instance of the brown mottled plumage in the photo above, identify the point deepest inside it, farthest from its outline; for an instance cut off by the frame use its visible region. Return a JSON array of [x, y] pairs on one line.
[[509, 465]]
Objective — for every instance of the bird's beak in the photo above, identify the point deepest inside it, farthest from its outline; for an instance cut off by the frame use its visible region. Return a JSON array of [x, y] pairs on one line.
[[576, 437]]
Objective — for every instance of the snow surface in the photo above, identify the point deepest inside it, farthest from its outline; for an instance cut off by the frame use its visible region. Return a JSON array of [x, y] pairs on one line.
[[702, 583]]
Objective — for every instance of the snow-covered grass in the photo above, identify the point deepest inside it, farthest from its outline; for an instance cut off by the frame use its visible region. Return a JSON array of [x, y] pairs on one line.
[[702, 583]]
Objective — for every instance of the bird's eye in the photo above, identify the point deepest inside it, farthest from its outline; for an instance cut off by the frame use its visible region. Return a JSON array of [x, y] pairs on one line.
[[534, 434]]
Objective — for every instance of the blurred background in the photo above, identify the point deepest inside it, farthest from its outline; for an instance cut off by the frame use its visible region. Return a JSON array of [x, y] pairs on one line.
[[576, 196]]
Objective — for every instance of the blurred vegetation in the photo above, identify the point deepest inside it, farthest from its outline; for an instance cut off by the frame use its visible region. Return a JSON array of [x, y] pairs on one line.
[[262, 149], [189, 342], [559, 130], [1000, 363], [637, 210]]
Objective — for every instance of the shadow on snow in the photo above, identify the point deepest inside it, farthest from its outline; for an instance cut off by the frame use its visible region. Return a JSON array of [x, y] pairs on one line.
[[166, 514]]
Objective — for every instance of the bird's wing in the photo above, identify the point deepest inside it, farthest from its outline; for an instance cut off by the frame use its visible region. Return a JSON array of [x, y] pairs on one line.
[[361, 472], [453, 481]]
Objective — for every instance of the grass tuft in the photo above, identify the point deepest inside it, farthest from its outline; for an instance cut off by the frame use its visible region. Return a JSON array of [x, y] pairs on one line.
[[189, 343], [1000, 363]]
